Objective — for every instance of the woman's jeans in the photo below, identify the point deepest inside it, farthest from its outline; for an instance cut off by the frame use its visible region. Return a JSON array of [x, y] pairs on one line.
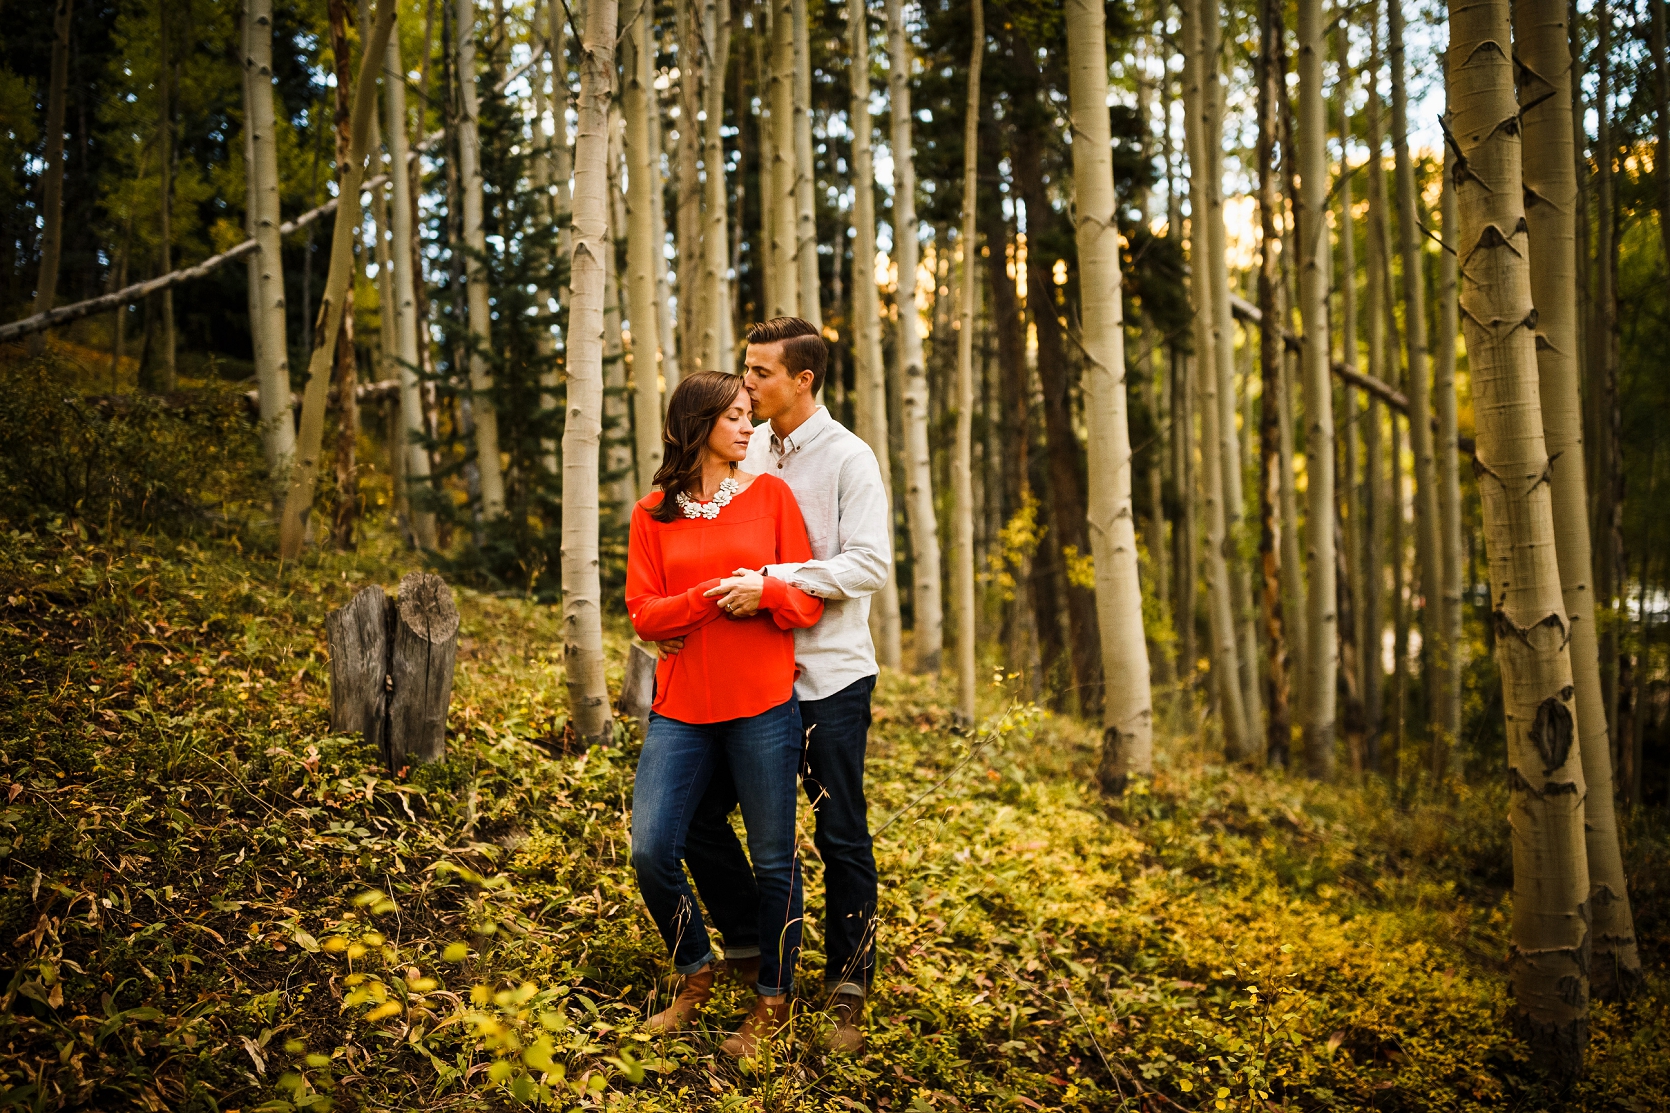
[[678, 761]]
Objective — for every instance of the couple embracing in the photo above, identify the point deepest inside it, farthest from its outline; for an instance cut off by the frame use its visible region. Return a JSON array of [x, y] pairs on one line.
[[751, 566]]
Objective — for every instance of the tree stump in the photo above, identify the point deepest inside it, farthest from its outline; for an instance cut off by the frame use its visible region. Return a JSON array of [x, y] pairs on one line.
[[637, 690], [424, 651], [358, 636], [391, 668]]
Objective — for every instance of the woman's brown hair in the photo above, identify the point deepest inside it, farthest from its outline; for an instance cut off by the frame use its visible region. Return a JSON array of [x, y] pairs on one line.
[[693, 410]]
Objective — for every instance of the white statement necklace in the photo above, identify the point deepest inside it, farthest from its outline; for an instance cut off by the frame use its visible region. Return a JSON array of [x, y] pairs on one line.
[[693, 509]]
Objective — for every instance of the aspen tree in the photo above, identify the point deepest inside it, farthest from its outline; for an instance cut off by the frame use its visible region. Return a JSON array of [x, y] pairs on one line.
[[643, 238], [1447, 701], [545, 184], [52, 175], [1350, 585], [588, 696], [619, 481], [666, 324], [1322, 647], [928, 636], [1127, 709], [806, 229], [962, 460], [164, 381], [1551, 874], [345, 512], [1602, 397], [783, 283], [1223, 358], [406, 332], [1376, 289], [304, 467], [1550, 168], [1224, 654], [870, 371], [475, 269], [1409, 238], [717, 345], [688, 194], [272, 366], [1272, 356]]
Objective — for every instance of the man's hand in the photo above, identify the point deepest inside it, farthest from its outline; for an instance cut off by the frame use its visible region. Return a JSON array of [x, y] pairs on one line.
[[669, 647], [739, 593]]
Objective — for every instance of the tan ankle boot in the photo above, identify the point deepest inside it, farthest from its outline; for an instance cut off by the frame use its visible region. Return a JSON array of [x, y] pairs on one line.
[[744, 971], [846, 1037], [768, 1018], [698, 987]]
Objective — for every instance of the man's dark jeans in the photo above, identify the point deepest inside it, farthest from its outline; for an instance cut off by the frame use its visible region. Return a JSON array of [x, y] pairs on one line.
[[837, 729]]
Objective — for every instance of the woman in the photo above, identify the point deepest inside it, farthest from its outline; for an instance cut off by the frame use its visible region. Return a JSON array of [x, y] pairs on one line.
[[729, 692]]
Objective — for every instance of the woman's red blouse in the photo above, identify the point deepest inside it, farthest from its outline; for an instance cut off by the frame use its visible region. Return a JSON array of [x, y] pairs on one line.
[[729, 668]]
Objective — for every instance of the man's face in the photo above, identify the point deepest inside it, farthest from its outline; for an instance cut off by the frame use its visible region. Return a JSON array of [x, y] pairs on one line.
[[768, 381]]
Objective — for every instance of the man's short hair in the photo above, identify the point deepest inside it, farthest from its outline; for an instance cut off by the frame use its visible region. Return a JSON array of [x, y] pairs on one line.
[[803, 345]]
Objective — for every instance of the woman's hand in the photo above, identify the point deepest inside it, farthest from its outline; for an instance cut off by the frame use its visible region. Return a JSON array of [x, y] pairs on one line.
[[739, 593]]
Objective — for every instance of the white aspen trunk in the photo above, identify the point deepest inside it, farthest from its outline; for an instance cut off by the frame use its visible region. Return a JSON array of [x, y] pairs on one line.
[[1409, 237], [1447, 703], [1321, 643], [52, 175], [1127, 710], [1220, 610], [1230, 454], [783, 282], [1550, 168], [665, 318], [870, 373], [643, 240], [407, 340], [688, 194], [806, 229], [1549, 961], [717, 349], [252, 264], [304, 467], [475, 272], [272, 365], [962, 460], [588, 696], [618, 458], [929, 633], [1375, 295], [545, 179]]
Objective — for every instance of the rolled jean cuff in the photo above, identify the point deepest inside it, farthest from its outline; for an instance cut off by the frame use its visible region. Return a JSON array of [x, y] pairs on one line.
[[688, 968], [773, 991], [852, 988], [742, 952]]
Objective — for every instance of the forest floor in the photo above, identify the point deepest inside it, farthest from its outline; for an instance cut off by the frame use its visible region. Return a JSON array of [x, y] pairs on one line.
[[212, 903]]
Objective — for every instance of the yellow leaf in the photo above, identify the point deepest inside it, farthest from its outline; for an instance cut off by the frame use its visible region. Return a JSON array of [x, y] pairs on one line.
[[391, 1008]]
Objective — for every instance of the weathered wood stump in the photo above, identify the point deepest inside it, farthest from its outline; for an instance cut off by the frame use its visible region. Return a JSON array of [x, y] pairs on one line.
[[391, 668], [424, 651], [637, 690], [359, 644]]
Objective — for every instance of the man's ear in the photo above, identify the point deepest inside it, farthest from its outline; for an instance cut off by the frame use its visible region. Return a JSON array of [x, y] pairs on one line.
[[804, 378]]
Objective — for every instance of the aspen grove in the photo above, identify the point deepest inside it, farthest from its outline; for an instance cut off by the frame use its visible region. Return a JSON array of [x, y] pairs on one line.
[[1273, 706]]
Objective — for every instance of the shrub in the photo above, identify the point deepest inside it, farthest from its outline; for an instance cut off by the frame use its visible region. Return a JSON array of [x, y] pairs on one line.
[[187, 460]]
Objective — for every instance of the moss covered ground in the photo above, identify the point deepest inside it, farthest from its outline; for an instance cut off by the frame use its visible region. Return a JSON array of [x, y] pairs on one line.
[[210, 902]]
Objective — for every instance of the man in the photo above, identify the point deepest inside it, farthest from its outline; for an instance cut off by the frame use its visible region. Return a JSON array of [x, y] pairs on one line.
[[838, 484]]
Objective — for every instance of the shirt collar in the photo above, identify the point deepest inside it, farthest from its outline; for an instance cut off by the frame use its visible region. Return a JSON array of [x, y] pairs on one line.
[[805, 434]]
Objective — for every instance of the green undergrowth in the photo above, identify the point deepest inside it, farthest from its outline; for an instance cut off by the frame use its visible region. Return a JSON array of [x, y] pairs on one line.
[[217, 904]]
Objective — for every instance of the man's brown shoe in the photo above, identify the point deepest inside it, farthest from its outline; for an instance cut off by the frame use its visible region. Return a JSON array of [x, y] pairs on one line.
[[768, 1018], [698, 987], [846, 1012], [744, 971]]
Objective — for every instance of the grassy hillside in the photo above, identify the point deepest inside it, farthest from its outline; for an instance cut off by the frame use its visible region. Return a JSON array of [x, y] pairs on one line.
[[212, 904]]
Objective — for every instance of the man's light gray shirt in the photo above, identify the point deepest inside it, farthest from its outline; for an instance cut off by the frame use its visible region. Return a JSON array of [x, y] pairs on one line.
[[836, 481]]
